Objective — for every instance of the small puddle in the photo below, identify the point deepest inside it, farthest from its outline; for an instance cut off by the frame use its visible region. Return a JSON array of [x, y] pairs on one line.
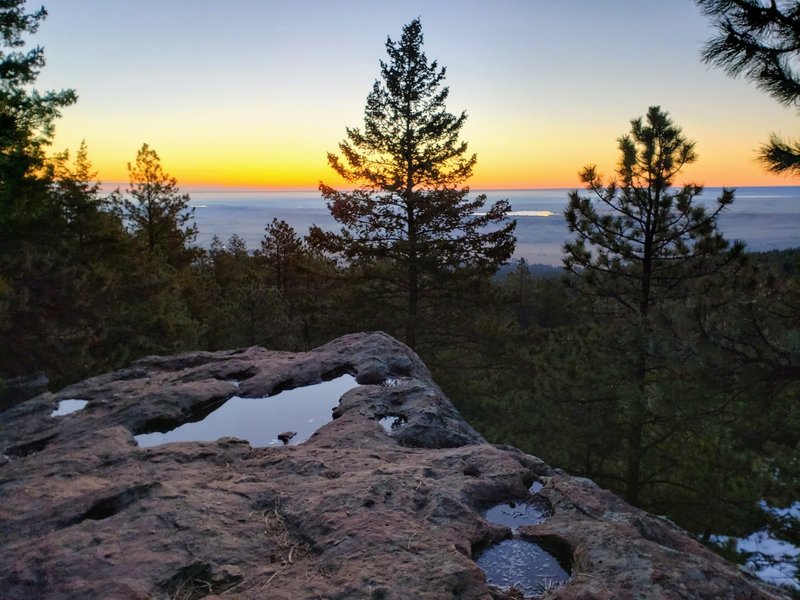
[[517, 563], [392, 422], [522, 565], [517, 514], [66, 407], [260, 421]]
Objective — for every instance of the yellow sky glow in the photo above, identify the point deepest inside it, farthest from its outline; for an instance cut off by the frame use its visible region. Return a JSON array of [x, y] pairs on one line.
[[208, 161]]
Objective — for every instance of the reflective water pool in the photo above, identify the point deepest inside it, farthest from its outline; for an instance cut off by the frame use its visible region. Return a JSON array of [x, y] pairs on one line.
[[517, 514], [260, 421], [66, 407], [523, 565]]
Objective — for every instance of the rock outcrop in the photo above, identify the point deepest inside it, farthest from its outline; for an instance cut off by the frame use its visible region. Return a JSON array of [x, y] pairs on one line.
[[358, 511]]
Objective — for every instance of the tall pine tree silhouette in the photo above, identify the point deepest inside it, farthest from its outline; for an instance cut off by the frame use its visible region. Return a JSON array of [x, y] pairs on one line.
[[639, 244], [409, 213]]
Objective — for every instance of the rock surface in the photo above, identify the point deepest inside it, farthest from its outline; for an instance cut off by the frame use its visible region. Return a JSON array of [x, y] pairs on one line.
[[355, 512]]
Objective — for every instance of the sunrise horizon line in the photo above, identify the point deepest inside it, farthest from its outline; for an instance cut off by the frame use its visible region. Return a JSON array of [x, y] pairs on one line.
[[109, 186]]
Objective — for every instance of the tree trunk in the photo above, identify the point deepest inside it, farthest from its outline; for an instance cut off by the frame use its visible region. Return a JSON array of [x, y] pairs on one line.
[[633, 471], [413, 268], [638, 410], [413, 281]]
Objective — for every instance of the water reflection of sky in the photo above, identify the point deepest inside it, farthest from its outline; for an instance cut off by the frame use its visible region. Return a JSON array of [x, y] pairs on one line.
[[66, 407], [521, 564], [260, 420], [517, 514]]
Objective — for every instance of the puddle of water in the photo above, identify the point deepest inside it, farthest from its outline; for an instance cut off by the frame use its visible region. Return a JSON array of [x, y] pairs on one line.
[[517, 514], [523, 565], [393, 422], [536, 487], [66, 407], [300, 410]]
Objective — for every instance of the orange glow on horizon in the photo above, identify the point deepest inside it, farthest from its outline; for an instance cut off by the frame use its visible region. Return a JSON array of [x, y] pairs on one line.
[[300, 183], [298, 174], [508, 163]]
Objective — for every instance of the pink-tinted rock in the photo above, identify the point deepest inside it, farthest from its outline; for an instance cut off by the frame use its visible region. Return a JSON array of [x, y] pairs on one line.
[[355, 512]]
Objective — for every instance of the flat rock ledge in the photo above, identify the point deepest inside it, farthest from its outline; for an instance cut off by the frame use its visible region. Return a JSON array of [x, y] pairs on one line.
[[355, 512]]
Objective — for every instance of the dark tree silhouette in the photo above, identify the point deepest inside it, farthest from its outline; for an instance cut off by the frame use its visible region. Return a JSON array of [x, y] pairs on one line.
[[33, 286], [26, 128], [281, 252], [409, 208], [87, 213], [156, 209], [639, 244], [761, 41]]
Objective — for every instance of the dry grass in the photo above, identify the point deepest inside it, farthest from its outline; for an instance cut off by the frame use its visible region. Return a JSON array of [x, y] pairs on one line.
[[283, 550], [195, 583]]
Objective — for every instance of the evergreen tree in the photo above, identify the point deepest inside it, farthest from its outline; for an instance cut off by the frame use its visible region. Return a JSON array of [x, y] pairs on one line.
[[26, 128], [158, 269], [640, 243], [761, 40], [91, 218], [409, 215], [93, 244], [156, 210], [282, 252], [241, 307], [33, 282]]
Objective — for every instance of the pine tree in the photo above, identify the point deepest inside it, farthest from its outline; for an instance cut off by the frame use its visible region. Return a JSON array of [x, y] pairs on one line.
[[241, 306], [281, 252], [409, 220], [157, 211], [27, 120], [761, 40], [32, 268], [640, 243], [91, 218], [92, 245]]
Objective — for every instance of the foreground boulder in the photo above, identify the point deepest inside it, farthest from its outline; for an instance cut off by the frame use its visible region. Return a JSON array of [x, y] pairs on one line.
[[357, 511]]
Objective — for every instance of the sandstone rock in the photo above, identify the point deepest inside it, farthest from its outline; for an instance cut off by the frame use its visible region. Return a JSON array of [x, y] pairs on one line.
[[354, 512]]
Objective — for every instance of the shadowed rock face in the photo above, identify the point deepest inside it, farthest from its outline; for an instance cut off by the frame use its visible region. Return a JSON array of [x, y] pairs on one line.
[[355, 512]]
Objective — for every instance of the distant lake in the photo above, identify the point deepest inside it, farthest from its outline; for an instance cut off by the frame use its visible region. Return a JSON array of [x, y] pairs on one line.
[[766, 218]]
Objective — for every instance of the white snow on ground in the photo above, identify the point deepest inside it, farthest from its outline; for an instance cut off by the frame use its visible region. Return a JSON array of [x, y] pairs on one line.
[[772, 560]]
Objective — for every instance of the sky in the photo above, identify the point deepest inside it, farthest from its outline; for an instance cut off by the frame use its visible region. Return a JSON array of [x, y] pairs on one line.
[[255, 93]]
